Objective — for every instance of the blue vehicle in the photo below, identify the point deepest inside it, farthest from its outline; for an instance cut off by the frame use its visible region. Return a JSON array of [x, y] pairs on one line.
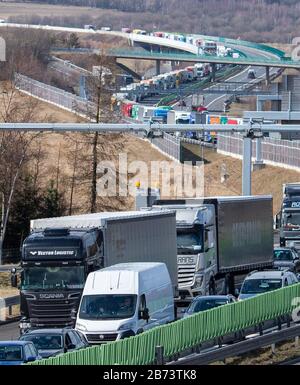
[[202, 303], [17, 352]]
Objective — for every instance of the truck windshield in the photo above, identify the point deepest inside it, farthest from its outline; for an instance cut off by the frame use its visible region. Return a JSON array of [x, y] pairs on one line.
[[38, 278], [186, 240], [291, 219], [103, 307], [257, 286]]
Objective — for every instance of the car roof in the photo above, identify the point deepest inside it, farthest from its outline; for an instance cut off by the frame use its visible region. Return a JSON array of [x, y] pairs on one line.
[[285, 248], [46, 331], [216, 297], [14, 343], [267, 274]]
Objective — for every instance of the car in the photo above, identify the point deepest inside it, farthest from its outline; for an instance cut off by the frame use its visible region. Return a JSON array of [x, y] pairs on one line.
[[50, 342], [17, 352], [259, 282], [286, 258], [202, 303]]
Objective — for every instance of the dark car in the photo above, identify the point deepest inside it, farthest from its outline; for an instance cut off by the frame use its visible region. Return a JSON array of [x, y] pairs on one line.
[[202, 303], [17, 352], [286, 258], [50, 342]]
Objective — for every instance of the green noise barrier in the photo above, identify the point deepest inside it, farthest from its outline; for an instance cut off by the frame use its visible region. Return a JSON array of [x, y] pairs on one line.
[[185, 333]]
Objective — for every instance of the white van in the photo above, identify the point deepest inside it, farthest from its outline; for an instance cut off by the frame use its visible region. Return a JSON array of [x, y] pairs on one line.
[[124, 300]]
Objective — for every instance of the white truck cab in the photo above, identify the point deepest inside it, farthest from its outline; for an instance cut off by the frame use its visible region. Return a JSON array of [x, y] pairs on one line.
[[124, 300]]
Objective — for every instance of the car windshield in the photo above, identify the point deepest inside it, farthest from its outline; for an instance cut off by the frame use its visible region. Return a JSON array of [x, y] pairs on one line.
[[283, 255], [107, 307], [11, 353], [257, 286], [37, 278], [45, 341], [205, 304]]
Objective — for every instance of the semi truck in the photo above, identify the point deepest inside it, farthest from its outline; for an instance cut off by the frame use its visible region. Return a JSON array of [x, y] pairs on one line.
[[60, 252], [288, 219], [218, 239]]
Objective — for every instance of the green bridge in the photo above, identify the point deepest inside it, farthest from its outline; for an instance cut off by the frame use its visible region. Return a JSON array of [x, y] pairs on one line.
[[284, 62]]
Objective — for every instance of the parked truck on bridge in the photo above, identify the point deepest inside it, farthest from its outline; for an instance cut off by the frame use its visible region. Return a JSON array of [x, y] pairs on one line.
[[60, 252], [218, 239]]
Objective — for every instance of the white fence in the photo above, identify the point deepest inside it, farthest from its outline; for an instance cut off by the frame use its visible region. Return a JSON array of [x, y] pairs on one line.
[[277, 152], [54, 95], [169, 145]]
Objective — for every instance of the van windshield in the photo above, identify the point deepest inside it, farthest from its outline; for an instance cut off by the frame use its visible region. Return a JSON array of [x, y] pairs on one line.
[[103, 307]]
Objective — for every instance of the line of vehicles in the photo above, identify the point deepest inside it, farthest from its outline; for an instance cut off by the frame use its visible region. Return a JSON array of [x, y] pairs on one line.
[[163, 82], [205, 46]]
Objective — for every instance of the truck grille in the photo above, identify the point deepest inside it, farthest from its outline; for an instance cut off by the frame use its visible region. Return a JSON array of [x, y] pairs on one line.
[[52, 313], [186, 275], [98, 338]]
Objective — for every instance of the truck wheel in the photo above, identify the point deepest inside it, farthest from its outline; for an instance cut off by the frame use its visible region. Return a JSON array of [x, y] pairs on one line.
[[212, 287]]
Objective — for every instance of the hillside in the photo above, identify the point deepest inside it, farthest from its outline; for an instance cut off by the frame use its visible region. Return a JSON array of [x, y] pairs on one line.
[[256, 20]]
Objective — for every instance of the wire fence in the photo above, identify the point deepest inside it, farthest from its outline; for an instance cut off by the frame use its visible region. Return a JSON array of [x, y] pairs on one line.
[[277, 152], [54, 95]]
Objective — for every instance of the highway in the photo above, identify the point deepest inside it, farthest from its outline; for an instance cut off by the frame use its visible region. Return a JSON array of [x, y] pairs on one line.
[[9, 331]]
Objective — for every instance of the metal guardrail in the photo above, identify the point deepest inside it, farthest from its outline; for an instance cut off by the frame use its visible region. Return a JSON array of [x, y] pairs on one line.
[[249, 60], [8, 302], [239, 348]]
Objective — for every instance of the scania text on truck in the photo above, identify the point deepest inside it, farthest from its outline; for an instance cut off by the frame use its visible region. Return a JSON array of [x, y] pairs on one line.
[[60, 253], [219, 238]]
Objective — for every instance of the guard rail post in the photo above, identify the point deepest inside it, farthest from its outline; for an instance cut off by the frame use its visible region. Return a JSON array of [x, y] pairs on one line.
[[159, 355]]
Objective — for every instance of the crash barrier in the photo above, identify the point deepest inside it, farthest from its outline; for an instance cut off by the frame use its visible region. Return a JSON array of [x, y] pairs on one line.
[[277, 152], [186, 333], [8, 302], [54, 95], [249, 60]]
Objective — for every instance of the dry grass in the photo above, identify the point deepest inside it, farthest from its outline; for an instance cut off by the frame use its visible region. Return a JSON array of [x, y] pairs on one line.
[[283, 352]]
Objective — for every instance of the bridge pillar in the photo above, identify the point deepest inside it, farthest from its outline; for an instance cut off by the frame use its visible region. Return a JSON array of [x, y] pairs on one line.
[[213, 72], [158, 67], [267, 76], [247, 155]]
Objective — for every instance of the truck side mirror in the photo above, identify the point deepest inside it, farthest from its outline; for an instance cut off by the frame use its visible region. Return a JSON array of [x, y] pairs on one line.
[[276, 224], [144, 314]]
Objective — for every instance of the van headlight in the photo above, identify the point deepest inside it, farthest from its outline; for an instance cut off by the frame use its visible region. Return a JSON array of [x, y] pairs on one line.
[[127, 326], [80, 327]]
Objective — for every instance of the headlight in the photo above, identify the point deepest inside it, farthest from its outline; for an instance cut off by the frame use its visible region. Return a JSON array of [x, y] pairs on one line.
[[25, 325], [80, 327], [198, 280], [127, 326]]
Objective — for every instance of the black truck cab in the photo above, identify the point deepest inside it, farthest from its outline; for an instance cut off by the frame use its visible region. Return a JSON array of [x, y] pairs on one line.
[[54, 267]]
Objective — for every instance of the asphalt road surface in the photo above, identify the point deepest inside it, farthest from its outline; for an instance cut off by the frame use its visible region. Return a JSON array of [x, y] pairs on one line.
[[9, 331]]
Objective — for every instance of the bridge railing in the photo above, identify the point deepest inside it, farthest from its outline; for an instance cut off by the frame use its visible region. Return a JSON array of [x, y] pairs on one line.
[[186, 333]]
